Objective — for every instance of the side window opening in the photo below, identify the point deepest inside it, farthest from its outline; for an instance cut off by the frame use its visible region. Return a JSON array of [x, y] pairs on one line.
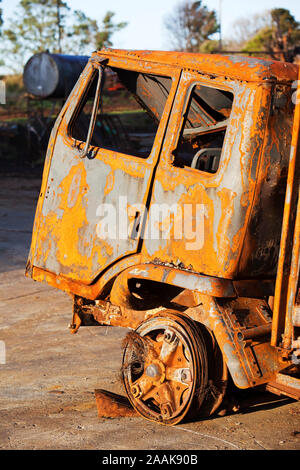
[[129, 112], [202, 137]]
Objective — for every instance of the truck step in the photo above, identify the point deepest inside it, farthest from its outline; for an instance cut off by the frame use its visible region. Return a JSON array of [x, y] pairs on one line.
[[285, 385]]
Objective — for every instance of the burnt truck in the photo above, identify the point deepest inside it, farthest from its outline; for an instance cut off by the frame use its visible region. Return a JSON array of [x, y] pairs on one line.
[[169, 205]]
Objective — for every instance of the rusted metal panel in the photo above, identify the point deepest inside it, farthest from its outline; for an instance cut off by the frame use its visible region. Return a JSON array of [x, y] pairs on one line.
[[237, 67], [204, 284], [260, 250], [92, 291], [74, 189], [226, 196], [70, 184]]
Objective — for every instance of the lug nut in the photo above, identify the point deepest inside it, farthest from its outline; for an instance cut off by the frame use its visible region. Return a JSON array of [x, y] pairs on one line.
[[136, 391], [169, 336], [186, 376]]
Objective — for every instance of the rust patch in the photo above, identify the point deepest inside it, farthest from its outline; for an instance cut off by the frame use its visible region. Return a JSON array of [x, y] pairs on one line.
[[111, 405]]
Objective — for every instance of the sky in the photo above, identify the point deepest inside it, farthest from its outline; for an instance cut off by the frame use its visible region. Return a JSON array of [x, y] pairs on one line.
[[145, 18]]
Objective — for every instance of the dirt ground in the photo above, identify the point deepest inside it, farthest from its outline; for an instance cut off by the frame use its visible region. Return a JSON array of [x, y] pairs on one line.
[[47, 383]]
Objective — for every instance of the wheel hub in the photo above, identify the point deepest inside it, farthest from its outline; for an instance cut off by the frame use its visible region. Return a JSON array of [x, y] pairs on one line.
[[153, 371], [165, 385]]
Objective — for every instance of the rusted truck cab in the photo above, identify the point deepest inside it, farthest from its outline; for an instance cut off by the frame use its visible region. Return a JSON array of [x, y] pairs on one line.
[[163, 209]]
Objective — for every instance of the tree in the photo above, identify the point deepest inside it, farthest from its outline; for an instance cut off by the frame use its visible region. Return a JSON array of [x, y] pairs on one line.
[[279, 38], [37, 26], [81, 36], [40, 25], [107, 29], [244, 29], [86, 32], [190, 25], [61, 11]]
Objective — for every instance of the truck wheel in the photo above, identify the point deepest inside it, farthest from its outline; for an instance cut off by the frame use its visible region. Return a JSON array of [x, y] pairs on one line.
[[166, 369]]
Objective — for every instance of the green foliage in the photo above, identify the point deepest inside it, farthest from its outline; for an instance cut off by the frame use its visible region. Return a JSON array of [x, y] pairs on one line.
[[81, 36], [260, 42], [279, 38], [209, 46], [41, 25], [245, 28], [36, 26]]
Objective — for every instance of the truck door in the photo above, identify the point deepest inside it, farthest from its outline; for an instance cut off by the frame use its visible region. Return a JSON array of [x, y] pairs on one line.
[[205, 179], [92, 198]]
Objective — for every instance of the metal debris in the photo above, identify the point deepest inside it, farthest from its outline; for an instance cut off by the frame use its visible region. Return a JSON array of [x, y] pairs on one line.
[[111, 405]]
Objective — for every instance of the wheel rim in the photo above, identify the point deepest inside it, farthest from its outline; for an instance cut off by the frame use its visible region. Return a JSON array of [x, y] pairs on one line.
[[165, 368]]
